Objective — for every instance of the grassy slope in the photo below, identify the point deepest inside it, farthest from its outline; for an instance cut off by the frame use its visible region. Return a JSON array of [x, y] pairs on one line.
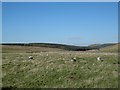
[[113, 48], [56, 69], [48, 45], [27, 49], [0, 49]]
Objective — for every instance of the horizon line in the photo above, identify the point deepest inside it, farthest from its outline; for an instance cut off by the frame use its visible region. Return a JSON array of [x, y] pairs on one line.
[[55, 43]]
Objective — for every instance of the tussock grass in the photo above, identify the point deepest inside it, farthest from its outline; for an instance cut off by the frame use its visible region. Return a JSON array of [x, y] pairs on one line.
[[56, 70]]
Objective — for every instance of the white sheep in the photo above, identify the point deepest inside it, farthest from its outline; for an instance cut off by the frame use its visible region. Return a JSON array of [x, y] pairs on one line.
[[30, 57], [99, 59], [74, 59]]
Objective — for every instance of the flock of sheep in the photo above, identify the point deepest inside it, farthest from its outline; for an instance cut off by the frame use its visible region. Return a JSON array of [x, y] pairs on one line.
[[73, 59]]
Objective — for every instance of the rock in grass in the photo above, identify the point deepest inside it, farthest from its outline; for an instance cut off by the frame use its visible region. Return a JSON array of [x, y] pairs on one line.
[[47, 55]]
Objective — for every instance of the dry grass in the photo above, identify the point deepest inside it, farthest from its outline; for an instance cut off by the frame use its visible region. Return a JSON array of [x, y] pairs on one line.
[[57, 70], [27, 49], [113, 48]]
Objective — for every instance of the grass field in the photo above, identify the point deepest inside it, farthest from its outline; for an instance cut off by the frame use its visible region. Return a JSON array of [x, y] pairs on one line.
[[54, 69], [113, 48]]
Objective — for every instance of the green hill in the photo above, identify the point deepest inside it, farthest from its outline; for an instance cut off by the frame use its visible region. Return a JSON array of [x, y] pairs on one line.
[[37, 47], [101, 45], [111, 48], [50, 45]]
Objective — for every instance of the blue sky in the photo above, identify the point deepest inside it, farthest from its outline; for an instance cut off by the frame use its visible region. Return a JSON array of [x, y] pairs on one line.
[[82, 23]]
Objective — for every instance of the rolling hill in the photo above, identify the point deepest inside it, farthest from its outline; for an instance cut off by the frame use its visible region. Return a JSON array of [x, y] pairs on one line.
[[101, 45], [111, 48], [38, 47]]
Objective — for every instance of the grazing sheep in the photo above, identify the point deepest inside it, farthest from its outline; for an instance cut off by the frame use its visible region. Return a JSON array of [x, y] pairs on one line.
[[30, 57], [99, 59], [73, 59]]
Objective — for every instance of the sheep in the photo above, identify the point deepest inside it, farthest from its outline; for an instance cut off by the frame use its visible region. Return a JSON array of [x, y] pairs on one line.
[[99, 59], [73, 59], [30, 57]]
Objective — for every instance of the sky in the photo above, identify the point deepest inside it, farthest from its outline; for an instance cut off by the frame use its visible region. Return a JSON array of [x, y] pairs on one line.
[[72, 23]]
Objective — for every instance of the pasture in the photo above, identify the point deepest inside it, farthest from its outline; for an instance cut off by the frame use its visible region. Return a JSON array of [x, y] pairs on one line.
[[56, 70]]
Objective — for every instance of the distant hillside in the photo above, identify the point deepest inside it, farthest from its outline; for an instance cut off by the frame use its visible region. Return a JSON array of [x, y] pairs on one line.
[[37, 47], [51, 45], [27, 49], [111, 48], [99, 46]]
